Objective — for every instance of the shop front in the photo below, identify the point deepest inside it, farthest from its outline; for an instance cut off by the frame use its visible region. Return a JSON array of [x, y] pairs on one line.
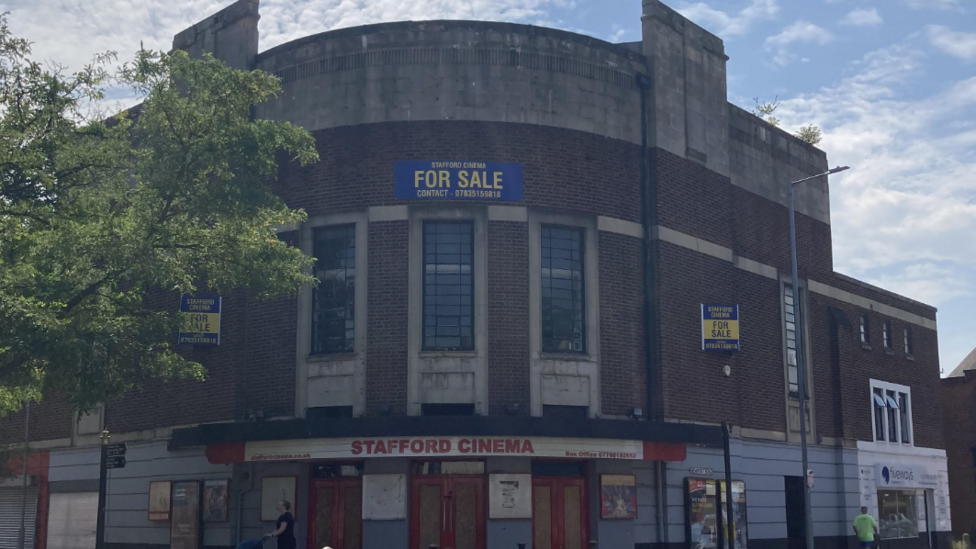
[[907, 494], [460, 492]]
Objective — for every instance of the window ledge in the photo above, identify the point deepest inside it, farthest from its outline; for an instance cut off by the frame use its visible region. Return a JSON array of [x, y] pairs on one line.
[[337, 357], [573, 357], [448, 354], [910, 357], [889, 352], [866, 346]]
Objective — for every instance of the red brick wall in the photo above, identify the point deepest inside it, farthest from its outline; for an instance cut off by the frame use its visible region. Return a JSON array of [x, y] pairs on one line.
[[698, 202], [49, 419], [959, 395], [254, 368], [386, 357], [695, 386], [563, 169], [508, 317], [623, 372]]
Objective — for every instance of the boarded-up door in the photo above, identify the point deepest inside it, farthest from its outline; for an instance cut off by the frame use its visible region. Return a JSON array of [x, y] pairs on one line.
[[447, 511], [71, 520], [336, 513], [559, 517]]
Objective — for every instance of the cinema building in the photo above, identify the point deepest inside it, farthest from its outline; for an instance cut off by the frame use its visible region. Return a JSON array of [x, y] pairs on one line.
[[493, 208]]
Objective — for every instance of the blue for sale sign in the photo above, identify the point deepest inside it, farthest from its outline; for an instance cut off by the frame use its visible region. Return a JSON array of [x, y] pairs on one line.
[[457, 180]]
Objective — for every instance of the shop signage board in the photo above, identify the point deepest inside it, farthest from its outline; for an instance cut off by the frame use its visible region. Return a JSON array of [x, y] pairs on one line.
[[358, 448], [458, 180], [892, 475], [201, 320], [720, 327]]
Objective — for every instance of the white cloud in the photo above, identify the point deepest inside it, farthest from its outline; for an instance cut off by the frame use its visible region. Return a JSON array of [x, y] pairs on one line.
[[799, 32], [925, 282], [72, 31], [899, 216], [957, 44], [937, 4], [862, 18], [726, 24]]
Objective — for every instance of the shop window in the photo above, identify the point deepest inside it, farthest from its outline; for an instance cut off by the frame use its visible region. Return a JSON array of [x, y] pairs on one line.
[[557, 469], [563, 318], [565, 412], [337, 470], [334, 299], [329, 412], [886, 335], [897, 514], [447, 409], [909, 344], [865, 330], [892, 412], [448, 286]]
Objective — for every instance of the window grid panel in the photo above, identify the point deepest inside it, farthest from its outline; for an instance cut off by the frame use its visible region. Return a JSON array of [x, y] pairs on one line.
[[790, 311], [906, 430], [334, 299], [886, 333], [563, 291], [448, 286], [892, 417], [908, 341], [865, 330], [879, 415]]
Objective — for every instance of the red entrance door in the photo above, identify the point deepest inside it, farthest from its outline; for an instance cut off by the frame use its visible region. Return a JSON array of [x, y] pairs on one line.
[[559, 517], [335, 513], [447, 511]]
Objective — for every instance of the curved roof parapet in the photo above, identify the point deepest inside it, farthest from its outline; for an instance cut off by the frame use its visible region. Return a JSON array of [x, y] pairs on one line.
[[457, 70]]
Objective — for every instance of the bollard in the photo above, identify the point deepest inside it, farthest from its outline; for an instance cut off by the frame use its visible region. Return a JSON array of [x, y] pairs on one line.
[[593, 544], [521, 545], [434, 546]]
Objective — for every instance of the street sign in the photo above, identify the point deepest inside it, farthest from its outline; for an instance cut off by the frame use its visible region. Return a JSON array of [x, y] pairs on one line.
[[115, 456]]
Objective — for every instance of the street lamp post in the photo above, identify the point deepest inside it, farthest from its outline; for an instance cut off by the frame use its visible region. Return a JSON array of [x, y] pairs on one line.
[[800, 373], [22, 531]]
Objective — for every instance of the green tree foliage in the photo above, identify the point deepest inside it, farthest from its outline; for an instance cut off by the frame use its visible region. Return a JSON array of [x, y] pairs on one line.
[[764, 109], [810, 134], [97, 212]]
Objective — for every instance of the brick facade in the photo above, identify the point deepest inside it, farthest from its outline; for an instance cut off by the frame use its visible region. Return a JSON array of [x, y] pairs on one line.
[[584, 174], [508, 317], [959, 395]]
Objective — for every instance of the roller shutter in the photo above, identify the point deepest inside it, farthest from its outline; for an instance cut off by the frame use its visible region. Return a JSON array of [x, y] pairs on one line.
[[10, 507]]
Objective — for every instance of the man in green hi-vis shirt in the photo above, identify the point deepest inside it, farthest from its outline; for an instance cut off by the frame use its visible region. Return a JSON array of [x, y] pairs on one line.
[[865, 528]]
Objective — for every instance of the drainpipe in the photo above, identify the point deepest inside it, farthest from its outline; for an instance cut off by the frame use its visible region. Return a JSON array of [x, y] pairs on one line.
[[650, 324], [650, 320], [240, 502]]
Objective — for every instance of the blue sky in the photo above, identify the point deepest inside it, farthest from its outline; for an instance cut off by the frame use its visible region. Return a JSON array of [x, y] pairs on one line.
[[891, 82]]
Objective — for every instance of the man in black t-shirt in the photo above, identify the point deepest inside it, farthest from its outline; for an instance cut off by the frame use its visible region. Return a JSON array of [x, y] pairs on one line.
[[285, 527]]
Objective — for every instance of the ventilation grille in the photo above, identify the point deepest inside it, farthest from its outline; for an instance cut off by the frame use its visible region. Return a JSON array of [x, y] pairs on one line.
[[457, 56]]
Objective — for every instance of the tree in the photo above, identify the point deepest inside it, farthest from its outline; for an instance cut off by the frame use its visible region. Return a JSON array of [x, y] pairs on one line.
[[808, 134], [765, 111], [96, 213]]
